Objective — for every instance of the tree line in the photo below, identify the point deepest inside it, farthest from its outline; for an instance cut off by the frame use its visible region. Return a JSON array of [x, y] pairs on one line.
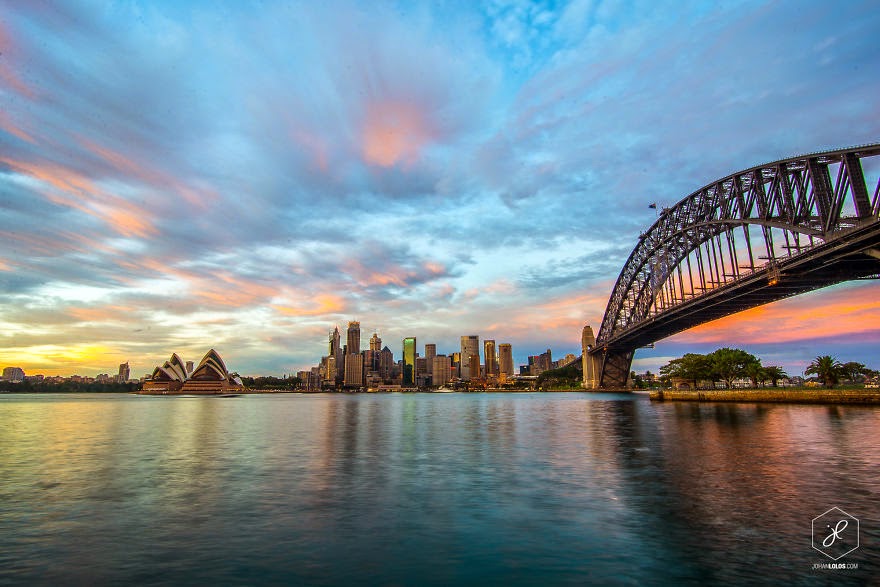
[[68, 387], [728, 364]]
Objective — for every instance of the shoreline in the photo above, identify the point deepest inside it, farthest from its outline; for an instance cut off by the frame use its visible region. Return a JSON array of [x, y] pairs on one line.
[[782, 396]]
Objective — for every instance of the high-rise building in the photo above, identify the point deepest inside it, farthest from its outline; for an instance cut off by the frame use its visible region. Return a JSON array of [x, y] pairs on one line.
[[540, 363], [375, 343], [334, 350], [354, 370], [474, 366], [124, 372], [13, 374], [336, 353], [386, 363], [490, 358], [505, 360], [409, 361], [430, 353], [354, 338], [470, 346], [331, 371], [442, 370]]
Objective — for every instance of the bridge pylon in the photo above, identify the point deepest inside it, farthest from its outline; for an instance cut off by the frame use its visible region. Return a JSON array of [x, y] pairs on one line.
[[591, 363]]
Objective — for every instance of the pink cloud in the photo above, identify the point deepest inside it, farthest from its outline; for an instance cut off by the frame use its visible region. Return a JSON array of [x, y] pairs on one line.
[[394, 132], [823, 314]]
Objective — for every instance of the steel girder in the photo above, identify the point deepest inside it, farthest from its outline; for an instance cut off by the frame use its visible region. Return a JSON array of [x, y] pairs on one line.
[[739, 235]]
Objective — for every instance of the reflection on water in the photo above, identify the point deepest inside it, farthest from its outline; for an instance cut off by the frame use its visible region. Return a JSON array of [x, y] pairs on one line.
[[428, 489]]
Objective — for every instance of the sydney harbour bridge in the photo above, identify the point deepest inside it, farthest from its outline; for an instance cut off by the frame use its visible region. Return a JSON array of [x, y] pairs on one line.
[[754, 237]]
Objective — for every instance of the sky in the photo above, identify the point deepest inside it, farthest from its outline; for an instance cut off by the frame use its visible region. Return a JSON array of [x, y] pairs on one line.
[[177, 176]]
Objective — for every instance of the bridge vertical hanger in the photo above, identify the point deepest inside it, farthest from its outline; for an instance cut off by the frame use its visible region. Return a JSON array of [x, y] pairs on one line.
[[857, 182]]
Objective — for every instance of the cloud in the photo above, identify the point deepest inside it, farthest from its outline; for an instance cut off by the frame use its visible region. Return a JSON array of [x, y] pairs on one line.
[[438, 170]]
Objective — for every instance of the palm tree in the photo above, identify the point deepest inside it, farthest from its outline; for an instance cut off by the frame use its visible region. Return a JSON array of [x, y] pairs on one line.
[[826, 368], [774, 374]]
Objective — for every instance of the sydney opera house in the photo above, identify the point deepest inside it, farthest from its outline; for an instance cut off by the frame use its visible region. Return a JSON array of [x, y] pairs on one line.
[[209, 378]]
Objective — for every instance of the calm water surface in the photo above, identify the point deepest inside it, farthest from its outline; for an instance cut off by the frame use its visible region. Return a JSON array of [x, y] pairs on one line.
[[437, 489]]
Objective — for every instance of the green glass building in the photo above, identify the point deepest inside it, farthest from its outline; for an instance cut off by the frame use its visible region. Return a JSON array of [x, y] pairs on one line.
[[409, 361]]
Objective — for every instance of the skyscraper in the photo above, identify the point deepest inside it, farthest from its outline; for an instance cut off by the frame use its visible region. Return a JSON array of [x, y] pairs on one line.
[[124, 373], [375, 343], [490, 358], [409, 361], [354, 338], [505, 353], [474, 367], [430, 353], [441, 368], [354, 370], [386, 363], [335, 350], [470, 346]]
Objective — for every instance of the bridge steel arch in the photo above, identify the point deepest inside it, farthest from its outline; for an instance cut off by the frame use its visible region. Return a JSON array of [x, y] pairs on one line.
[[756, 236]]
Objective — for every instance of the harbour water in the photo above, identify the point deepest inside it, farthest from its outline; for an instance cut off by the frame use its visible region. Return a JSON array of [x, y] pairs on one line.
[[430, 489]]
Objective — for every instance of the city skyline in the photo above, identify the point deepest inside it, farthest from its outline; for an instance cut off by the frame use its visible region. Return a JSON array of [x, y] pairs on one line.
[[182, 176]]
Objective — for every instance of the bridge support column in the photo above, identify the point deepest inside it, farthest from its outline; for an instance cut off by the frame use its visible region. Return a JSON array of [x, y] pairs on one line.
[[615, 369], [590, 362]]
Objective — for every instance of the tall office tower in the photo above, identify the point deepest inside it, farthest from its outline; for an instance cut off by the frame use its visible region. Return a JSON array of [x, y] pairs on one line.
[[409, 361], [490, 358], [331, 370], [386, 363], [335, 351], [375, 343], [474, 364], [124, 373], [505, 353], [371, 361], [456, 365], [430, 353], [354, 338], [421, 371], [442, 370], [13, 374], [354, 370], [470, 345]]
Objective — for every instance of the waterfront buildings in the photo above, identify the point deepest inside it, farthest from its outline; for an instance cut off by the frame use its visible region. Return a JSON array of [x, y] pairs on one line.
[[376, 368]]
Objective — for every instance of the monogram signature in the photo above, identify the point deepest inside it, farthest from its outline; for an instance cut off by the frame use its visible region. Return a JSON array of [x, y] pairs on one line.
[[835, 533]]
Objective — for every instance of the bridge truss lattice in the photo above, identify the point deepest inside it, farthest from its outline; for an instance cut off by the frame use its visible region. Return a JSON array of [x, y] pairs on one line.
[[755, 236]]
